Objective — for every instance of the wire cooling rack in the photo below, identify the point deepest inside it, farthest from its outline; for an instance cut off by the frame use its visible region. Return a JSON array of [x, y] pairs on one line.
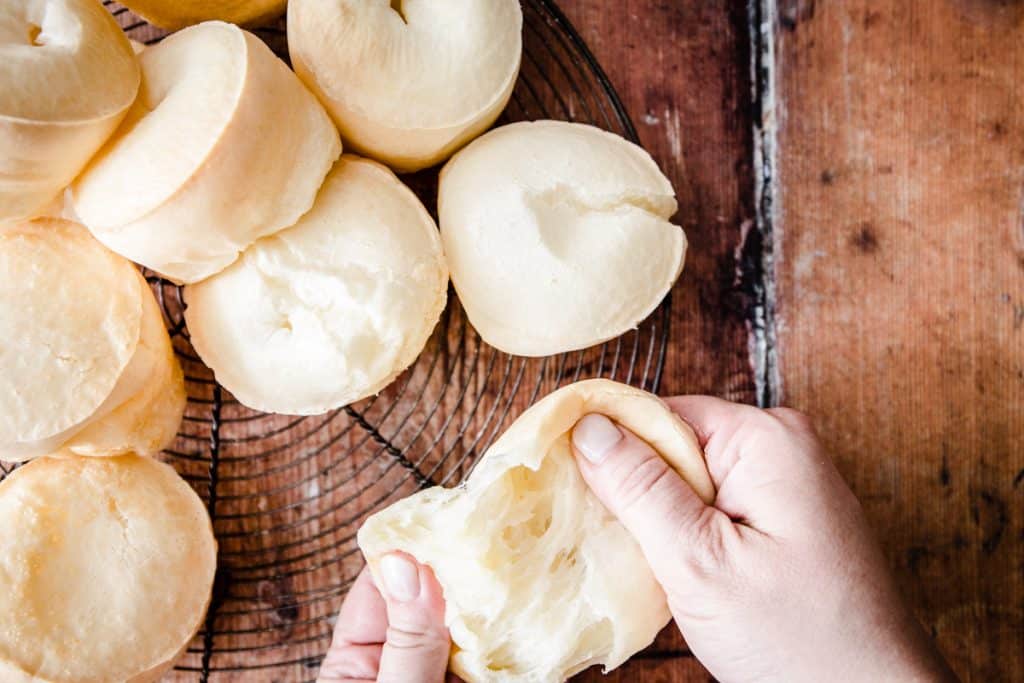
[[287, 494]]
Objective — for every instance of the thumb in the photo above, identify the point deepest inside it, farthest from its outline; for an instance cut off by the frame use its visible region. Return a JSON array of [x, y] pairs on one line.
[[417, 645], [652, 501]]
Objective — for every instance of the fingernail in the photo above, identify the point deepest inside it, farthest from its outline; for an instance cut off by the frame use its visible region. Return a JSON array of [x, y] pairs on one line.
[[401, 578], [595, 436]]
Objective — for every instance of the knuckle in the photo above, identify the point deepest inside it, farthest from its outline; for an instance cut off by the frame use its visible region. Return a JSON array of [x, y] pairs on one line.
[[413, 638], [792, 418], [707, 553], [350, 663], [636, 483]]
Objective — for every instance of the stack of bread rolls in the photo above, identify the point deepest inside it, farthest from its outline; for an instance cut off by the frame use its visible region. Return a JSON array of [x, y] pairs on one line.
[[86, 366], [102, 545], [312, 279]]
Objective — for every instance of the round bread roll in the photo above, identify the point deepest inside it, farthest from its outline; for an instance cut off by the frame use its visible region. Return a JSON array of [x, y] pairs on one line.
[[557, 236], [522, 549], [410, 81], [223, 146], [334, 308], [70, 322], [175, 14], [107, 569], [57, 357], [148, 421], [67, 77]]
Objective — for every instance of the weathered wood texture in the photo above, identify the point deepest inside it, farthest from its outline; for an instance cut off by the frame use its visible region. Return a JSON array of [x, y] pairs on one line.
[[899, 241]]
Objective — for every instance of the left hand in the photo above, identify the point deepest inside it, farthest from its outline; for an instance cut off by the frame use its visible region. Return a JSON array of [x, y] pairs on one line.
[[395, 634]]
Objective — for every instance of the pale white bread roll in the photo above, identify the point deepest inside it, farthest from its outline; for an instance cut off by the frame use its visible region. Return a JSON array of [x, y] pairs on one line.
[[175, 14], [540, 580], [148, 421], [224, 145], [408, 81], [107, 569], [334, 308], [557, 235], [70, 321], [67, 77]]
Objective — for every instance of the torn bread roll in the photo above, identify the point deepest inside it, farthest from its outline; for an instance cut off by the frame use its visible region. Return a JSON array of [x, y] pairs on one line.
[[332, 309], [557, 235], [408, 82], [107, 569], [67, 77], [224, 145], [86, 364], [176, 14], [522, 549]]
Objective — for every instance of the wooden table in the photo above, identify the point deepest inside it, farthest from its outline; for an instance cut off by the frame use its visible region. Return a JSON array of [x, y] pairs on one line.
[[856, 216]]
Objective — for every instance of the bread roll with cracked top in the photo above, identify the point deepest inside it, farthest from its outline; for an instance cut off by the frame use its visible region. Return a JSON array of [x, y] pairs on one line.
[[334, 308], [557, 235], [408, 82]]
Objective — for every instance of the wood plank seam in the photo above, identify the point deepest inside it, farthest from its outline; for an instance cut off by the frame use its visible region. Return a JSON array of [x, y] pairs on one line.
[[757, 257]]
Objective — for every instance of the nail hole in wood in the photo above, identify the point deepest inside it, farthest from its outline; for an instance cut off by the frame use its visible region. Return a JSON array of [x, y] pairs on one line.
[[33, 35]]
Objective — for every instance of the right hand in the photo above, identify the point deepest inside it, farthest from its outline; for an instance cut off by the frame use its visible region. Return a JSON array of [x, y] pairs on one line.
[[780, 579]]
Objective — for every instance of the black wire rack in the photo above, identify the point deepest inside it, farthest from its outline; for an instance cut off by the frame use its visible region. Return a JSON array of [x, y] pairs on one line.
[[287, 494]]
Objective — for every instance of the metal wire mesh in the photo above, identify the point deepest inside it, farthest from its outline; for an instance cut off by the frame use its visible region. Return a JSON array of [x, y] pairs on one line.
[[287, 494]]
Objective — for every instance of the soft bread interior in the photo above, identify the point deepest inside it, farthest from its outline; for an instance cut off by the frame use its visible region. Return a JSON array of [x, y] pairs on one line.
[[540, 580]]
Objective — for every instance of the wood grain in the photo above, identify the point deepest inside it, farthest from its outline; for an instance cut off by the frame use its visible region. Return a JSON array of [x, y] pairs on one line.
[[899, 246]]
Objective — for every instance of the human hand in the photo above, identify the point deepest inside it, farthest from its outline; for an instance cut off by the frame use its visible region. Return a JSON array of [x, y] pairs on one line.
[[781, 579], [395, 634]]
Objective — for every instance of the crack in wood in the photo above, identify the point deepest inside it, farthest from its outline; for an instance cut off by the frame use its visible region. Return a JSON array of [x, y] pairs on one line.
[[758, 249]]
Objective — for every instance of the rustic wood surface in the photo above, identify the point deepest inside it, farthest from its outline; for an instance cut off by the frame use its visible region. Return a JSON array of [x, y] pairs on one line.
[[899, 240]]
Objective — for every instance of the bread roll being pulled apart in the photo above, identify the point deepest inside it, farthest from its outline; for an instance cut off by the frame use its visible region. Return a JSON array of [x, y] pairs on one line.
[[540, 580]]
